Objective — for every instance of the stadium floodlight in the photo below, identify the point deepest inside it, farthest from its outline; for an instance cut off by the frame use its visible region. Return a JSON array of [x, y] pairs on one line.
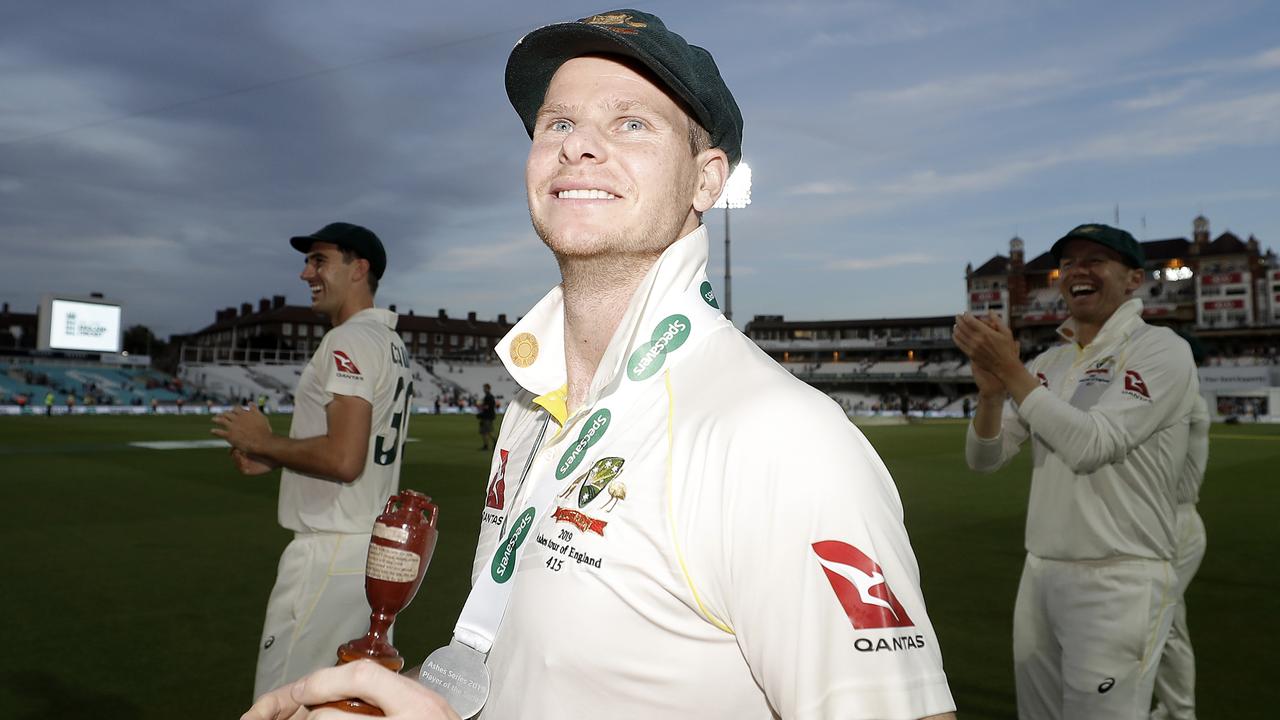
[[736, 195]]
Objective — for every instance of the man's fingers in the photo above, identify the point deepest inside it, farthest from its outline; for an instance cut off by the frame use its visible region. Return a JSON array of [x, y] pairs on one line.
[[974, 326], [966, 339], [396, 695], [275, 705]]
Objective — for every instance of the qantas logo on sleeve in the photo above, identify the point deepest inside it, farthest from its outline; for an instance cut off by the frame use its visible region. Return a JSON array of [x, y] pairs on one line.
[[344, 363], [1042, 379], [1135, 385], [860, 587], [496, 497]]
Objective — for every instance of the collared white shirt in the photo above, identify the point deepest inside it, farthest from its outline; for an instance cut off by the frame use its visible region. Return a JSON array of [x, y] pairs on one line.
[[1109, 428], [363, 357], [726, 545]]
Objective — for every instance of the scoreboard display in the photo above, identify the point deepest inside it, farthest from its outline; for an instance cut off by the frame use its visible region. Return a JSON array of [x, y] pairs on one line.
[[87, 325]]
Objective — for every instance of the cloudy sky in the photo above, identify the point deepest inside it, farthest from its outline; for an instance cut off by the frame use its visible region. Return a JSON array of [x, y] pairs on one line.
[[161, 153]]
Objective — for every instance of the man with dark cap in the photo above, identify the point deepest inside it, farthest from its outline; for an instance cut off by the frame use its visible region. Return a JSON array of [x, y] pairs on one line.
[[673, 553], [341, 459], [1107, 414]]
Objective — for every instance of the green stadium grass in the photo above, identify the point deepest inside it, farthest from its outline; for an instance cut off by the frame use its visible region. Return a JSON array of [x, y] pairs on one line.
[[135, 580]]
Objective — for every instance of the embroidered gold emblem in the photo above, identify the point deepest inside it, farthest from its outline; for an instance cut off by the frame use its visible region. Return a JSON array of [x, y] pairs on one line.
[[524, 350], [616, 20]]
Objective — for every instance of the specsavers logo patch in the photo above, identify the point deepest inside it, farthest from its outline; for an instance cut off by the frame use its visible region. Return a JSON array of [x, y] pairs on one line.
[[503, 565], [344, 363], [667, 337], [708, 295], [592, 431], [860, 586]]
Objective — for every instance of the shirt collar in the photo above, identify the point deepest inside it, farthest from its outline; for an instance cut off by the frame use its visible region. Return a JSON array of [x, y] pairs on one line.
[[533, 351], [1119, 325], [376, 315]]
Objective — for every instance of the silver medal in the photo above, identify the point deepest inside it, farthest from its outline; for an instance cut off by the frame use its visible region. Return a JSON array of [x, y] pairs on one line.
[[459, 675]]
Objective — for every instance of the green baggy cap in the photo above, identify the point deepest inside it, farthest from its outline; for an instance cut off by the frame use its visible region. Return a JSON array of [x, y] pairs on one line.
[[688, 71], [1107, 236], [356, 238]]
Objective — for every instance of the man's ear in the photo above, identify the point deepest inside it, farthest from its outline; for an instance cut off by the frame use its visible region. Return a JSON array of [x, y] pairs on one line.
[[713, 173], [359, 271], [1136, 276]]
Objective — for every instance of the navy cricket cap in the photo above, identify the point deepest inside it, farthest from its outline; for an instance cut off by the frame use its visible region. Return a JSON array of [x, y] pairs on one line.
[[687, 71], [1107, 236], [355, 238]]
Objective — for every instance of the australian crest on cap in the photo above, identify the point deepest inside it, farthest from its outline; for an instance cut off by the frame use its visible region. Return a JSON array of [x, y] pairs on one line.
[[621, 22]]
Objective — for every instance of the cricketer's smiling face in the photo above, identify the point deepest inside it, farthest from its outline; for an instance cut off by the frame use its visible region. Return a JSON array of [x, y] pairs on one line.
[[328, 276], [610, 169], [1094, 281]]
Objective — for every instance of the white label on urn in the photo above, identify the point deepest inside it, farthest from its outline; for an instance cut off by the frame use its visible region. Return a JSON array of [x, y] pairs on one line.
[[391, 564], [394, 534]]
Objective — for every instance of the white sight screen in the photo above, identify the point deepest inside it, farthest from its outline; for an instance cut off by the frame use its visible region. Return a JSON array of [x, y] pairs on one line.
[[84, 326]]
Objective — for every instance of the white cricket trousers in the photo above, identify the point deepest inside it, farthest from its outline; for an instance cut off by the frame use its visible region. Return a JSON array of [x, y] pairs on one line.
[[1176, 677], [317, 604], [1087, 637]]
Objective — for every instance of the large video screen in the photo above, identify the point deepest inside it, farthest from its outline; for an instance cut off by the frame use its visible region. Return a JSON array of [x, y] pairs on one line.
[[84, 326]]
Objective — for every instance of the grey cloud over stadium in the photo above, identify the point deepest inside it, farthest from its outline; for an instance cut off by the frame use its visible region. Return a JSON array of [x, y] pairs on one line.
[[162, 154]]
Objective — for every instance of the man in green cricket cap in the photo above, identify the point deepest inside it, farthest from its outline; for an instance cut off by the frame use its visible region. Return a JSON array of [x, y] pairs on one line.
[[730, 576], [1107, 414]]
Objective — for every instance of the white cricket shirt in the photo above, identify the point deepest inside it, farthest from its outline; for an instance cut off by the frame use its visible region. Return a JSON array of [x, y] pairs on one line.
[[723, 542], [365, 358], [1197, 454], [1109, 428]]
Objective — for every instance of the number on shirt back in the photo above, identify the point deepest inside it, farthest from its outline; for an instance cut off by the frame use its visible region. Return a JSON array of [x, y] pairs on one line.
[[384, 452]]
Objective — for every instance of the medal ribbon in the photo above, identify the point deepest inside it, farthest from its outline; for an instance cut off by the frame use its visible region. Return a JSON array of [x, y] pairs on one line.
[[679, 325]]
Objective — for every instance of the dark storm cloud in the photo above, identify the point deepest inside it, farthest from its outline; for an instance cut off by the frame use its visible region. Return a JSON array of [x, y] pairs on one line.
[[194, 141], [161, 152]]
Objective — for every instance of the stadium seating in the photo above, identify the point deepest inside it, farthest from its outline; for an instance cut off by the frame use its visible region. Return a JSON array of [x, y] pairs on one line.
[[462, 384], [894, 367], [457, 385], [233, 382], [91, 384]]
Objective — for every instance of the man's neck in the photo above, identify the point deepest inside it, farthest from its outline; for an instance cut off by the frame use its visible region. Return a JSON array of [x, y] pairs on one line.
[[597, 291], [349, 309], [1086, 332]]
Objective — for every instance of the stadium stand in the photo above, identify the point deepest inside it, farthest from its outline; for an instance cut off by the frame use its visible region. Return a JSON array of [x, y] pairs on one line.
[[1225, 290], [233, 383], [92, 385], [458, 385], [461, 384]]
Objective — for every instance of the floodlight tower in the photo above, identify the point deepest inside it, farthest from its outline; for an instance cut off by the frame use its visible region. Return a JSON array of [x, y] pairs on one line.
[[736, 195]]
